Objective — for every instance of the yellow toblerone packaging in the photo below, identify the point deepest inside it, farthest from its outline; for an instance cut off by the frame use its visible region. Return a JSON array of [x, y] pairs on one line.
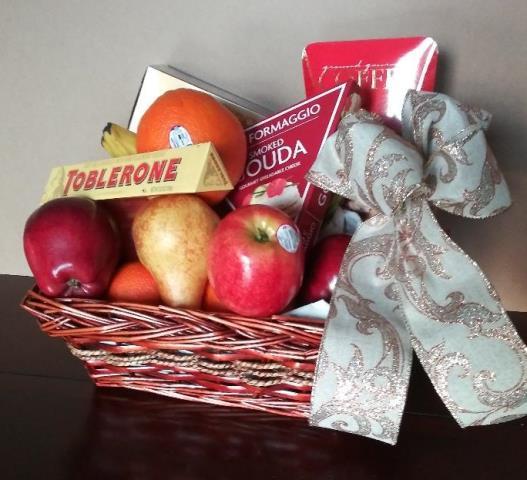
[[190, 169]]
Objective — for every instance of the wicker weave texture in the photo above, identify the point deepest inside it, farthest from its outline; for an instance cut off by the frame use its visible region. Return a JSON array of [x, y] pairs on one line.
[[219, 358]]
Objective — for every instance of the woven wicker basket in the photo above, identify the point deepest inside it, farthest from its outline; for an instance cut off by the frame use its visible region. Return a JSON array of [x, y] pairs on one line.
[[219, 358]]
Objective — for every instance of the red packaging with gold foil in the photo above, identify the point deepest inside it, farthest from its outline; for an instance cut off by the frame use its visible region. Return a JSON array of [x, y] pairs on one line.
[[384, 70]]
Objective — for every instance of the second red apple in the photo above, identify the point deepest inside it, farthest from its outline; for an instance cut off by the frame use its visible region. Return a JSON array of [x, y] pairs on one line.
[[256, 261], [323, 268]]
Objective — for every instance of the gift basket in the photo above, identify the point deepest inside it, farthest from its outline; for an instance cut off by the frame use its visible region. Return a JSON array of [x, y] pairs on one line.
[[292, 267]]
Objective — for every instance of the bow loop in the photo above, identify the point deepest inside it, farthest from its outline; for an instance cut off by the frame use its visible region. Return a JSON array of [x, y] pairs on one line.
[[460, 167]]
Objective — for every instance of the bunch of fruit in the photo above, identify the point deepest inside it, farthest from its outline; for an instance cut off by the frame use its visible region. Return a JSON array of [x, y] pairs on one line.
[[175, 249]]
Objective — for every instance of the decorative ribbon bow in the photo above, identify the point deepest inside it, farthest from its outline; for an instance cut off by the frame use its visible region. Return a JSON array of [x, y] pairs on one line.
[[405, 284]]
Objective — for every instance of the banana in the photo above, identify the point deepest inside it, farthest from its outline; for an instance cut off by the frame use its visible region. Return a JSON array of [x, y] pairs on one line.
[[118, 141]]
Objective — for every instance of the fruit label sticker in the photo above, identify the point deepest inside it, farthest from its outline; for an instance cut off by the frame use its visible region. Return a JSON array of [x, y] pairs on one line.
[[190, 169], [281, 150], [179, 137], [288, 238]]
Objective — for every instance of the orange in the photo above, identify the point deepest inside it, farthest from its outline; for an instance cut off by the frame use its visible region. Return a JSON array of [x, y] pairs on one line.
[[211, 302], [134, 283], [183, 116]]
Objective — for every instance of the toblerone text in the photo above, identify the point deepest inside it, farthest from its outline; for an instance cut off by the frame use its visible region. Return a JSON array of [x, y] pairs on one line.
[[191, 169]]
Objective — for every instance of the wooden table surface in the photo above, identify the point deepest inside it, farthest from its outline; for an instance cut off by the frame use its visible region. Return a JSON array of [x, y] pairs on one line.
[[54, 424]]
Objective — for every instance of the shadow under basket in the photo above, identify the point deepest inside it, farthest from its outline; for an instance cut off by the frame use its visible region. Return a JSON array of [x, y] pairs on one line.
[[264, 364]]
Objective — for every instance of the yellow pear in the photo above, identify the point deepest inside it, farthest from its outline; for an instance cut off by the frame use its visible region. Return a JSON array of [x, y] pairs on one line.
[[172, 235]]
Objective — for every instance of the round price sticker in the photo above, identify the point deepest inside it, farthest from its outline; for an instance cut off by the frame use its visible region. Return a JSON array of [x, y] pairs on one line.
[[288, 238], [179, 137]]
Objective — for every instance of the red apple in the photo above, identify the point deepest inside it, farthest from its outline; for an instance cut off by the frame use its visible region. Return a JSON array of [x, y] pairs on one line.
[[72, 247], [123, 211], [256, 261], [323, 268]]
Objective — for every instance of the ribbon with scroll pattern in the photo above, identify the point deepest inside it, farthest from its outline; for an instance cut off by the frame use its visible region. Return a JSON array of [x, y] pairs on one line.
[[404, 284]]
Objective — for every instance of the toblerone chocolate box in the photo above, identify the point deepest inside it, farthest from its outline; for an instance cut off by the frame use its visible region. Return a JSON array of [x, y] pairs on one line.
[[281, 149], [191, 169], [158, 79]]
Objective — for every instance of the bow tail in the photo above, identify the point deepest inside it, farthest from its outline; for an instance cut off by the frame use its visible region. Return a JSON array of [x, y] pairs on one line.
[[459, 330], [365, 358]]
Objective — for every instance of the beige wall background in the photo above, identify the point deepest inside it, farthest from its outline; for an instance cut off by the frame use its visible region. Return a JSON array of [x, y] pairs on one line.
[[67, 67]]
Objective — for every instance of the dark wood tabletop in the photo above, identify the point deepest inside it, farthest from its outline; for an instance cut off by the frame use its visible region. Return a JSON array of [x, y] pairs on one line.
[[55, 424]]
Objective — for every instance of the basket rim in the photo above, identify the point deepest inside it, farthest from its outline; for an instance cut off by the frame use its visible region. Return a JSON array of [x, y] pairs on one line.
[[92, 324], [64, 302]]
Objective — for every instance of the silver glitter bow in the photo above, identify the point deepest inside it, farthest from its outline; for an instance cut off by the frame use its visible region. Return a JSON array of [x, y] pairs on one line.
[[404, 284]]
